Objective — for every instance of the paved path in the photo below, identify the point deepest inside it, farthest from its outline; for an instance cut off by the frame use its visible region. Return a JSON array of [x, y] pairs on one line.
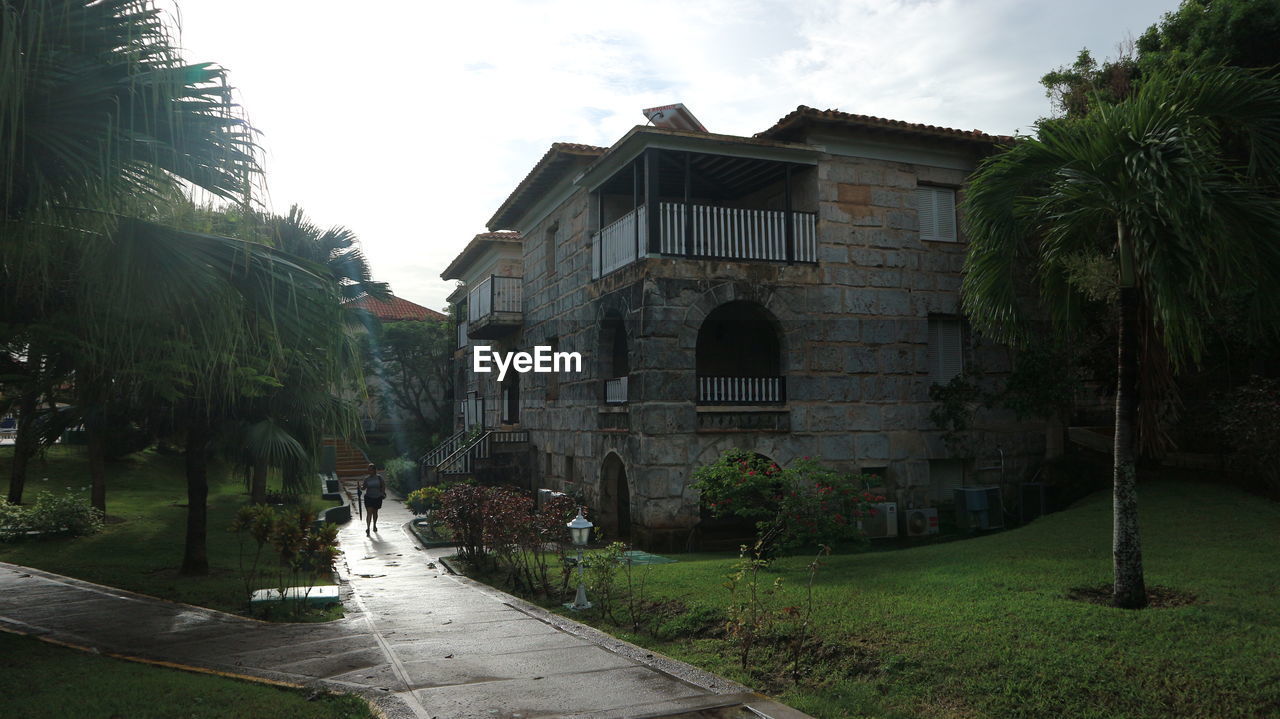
[[418, 642]]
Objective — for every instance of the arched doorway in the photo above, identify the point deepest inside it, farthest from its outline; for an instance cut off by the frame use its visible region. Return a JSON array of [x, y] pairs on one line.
[[739, 356], [614, 512]]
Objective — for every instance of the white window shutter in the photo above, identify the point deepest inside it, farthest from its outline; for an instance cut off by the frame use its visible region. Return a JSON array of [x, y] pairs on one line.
[[937, 210], [946, 213], [946, 349], [928, 212], [945, 475]]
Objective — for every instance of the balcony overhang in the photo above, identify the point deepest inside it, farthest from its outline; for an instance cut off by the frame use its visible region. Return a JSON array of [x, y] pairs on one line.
[[641, 138], [494, 325]]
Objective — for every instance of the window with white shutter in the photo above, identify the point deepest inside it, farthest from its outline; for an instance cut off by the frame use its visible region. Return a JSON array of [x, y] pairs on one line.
[[945, 476], [946, 349], [937, 208]]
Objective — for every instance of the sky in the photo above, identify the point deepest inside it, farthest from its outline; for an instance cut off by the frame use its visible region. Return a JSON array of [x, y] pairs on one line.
[[411, 122]]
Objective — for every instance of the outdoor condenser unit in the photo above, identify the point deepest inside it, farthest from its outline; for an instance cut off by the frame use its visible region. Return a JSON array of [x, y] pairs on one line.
[[884, 523], [919, 522], [979, 508]]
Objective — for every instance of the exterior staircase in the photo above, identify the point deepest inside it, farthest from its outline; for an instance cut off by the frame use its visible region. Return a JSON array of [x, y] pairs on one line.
[[463, 454], [350, 466]]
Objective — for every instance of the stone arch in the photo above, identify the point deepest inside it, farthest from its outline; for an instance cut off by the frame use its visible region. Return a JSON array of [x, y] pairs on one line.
[[614, 511], [783, 315], [739, 338]]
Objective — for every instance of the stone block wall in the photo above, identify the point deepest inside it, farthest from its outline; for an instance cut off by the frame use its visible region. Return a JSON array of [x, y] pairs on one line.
[[853, 330]]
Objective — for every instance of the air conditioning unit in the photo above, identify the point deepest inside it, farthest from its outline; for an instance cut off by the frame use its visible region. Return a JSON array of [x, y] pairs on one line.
[[979, 508], [546, 495], [919, 522], [884, 523]]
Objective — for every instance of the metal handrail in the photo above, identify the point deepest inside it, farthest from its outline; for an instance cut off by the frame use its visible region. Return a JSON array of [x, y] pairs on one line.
[[443, 449]]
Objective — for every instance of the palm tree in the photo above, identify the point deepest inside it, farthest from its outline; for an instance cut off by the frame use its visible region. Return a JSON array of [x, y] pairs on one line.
[[1173, 189], [335, 248], [98, 113], [101, 124]]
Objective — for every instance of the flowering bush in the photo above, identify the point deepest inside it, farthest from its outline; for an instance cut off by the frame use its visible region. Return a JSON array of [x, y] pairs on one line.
[[806, 504]]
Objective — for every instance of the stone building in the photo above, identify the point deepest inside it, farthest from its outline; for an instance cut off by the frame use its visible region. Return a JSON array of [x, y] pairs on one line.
[[794, 293]]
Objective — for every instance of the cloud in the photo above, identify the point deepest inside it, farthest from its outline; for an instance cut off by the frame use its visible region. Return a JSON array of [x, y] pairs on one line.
[[411, 122]]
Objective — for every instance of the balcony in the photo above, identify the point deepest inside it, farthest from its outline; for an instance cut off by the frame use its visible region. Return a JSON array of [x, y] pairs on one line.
[[494, 307], [742, 390], [615, 391], [706, 231]]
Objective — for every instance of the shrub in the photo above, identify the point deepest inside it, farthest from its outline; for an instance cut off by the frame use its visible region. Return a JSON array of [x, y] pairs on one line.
[[13, 521], [63, 514], [600, 569], [401, 474], [425, 500], [805, 504], [304, 550], [463, 509], [1249, 416], [500, 528]]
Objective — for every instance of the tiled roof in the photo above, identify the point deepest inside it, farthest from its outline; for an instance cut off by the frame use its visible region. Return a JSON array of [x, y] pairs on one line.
[[545, 173], [395, 309], [791, 123], [473, 248]]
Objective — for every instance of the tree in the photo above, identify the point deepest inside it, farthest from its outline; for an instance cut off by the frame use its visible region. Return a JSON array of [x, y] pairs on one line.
[[1200, 33], [335, 249], [1145, 187], [102, 125], [413, 362], [99, 116]]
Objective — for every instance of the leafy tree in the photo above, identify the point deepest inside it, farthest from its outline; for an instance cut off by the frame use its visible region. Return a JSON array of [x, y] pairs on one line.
[[413, 361], [1145, 185], [1200, 33]]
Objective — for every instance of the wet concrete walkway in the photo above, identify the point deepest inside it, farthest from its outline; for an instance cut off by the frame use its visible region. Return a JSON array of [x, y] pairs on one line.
[[416, 641]]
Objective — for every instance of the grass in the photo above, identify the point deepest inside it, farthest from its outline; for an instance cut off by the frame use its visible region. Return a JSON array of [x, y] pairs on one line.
[[42, 681], [141, 547], [983, 628]]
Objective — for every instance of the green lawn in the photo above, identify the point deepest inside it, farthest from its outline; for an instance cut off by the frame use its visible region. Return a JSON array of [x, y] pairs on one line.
[[982, 628], [41, 681], [141, 547]]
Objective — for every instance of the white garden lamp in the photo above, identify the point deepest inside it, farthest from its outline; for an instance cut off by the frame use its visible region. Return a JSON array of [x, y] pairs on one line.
[[580, 531]]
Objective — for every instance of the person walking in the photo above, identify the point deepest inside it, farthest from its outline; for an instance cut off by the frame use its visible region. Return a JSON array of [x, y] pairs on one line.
[[375, 490]]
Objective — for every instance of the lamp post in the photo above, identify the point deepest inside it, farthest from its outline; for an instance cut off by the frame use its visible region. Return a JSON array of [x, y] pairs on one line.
[[580, 531]]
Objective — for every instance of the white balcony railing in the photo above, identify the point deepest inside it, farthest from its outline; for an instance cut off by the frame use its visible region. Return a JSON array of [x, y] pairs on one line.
[[494, 294], [615, 391], [615, 245], [730, 233], [741, 390]]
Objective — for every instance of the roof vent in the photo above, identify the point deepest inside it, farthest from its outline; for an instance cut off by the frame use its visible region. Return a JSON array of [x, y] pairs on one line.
[[674, 117]]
